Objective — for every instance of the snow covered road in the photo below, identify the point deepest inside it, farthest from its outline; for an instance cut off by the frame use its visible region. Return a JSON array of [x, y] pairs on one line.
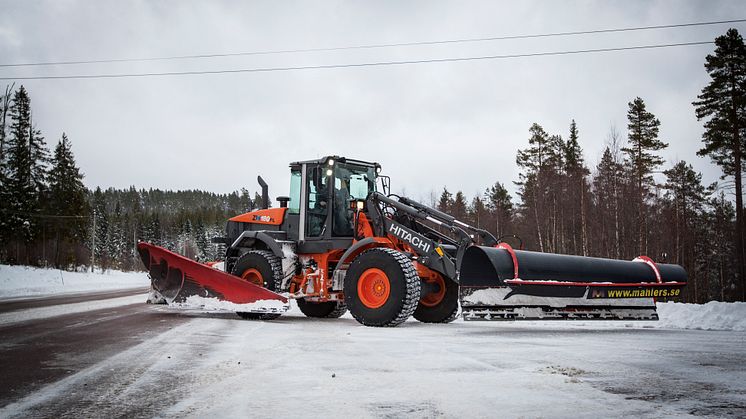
[[143, 361]]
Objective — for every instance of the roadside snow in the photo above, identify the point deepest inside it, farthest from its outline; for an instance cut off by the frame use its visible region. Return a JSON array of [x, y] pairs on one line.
[[23, 281], [714, 315], [62, 309], [213, 304]]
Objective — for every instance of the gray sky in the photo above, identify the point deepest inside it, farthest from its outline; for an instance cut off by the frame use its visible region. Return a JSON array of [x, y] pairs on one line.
[[453, 124]]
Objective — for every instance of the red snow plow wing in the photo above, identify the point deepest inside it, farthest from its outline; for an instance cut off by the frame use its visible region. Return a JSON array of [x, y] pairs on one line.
[[177, 278], [501, 283]]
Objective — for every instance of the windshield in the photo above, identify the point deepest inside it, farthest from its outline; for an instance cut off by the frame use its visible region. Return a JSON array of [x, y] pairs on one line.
[[350, 183]]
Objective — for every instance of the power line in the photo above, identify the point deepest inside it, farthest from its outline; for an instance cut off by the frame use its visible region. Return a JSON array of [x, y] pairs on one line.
[[373, 46], [354, 65]]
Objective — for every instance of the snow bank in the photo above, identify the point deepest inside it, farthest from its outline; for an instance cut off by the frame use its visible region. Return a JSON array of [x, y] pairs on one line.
[[213, 304], [714, 315], [23, 281]]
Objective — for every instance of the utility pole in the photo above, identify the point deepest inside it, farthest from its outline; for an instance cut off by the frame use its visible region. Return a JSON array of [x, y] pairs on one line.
[[93, 244]]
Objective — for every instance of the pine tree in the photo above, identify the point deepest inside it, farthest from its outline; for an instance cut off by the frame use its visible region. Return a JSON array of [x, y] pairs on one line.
[[458, 208], [40, 158], [101, 232], [723, 104], [606, 185], [722, 234], [445, 203], [477, 212], [575, 200], [686, 196], [67, 198], [498, 202], [5, 104], [539, 163], [201, 240], [643, 141], [20, 187]]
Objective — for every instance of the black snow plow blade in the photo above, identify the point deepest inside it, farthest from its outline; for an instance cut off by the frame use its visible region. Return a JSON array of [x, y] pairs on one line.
[[499, 283]]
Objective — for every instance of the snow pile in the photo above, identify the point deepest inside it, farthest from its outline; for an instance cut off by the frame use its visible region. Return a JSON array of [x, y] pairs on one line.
[[18, 281], [714, 315], [213, 304]]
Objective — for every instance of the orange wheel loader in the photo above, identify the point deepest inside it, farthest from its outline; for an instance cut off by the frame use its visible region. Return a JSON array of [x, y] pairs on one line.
[[340, 242]]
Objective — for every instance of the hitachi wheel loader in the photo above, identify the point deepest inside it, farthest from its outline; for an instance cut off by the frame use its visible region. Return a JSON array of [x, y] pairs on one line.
[[341, 242]]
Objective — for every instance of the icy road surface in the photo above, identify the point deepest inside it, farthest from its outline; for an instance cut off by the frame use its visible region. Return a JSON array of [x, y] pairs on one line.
[[140, 360]]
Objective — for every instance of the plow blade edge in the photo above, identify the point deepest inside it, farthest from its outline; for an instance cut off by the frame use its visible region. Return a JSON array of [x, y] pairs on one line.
[[177, 278]]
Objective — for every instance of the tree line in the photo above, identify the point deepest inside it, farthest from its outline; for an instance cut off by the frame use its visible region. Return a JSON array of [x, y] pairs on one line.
[[49, 218], [618, 209], [630, 203]]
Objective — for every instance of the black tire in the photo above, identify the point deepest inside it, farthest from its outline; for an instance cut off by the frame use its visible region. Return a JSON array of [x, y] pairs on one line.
[[403, 288], [325, 310], [270, 266], [445, 311]]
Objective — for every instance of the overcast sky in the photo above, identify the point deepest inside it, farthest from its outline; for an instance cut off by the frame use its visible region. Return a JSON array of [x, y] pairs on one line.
[[455, 124]]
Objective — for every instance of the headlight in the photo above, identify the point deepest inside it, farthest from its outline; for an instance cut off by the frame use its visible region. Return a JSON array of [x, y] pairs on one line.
[[329, 172], [330, 162]]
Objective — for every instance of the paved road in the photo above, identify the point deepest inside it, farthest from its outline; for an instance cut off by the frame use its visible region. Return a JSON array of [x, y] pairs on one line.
[[152, 361], [37, 352], [15, 304]]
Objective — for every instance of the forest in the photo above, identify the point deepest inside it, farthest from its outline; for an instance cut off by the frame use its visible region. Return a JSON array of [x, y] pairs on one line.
[[630, 203]]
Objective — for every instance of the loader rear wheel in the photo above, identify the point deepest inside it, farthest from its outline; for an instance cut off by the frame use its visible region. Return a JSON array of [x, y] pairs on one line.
[[325, 310], [441, 305], [381, 287], [262, 268]]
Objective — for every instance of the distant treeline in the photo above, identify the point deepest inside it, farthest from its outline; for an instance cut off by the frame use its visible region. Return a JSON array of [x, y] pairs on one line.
[[615, 209], [48, 218]]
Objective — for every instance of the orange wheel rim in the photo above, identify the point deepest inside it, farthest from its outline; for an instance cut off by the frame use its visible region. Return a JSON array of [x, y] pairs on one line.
[[373, 288], [254, 276], [434, 298]]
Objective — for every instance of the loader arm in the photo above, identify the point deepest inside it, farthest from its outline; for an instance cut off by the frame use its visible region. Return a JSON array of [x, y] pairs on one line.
[[498, 282]]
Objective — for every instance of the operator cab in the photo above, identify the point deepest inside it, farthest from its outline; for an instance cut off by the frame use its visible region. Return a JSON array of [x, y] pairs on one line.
[[322, 193]]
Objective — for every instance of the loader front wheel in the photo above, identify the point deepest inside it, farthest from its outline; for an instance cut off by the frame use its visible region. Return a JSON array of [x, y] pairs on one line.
[[325, 310], [440, 305], [381, 287], [262, 268]]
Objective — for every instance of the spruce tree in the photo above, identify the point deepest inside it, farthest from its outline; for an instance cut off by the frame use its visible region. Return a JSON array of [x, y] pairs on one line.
[[686, 196], [67, 198], [722, 104], [20, 187], [458, 208], [5, 103], [538, 162], [498, 202], [445, 203], [575, 199], [643, 142], [606, 185]]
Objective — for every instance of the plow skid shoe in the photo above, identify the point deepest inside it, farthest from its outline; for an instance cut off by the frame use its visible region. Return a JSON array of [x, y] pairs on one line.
[[505, 284], [177, 278]]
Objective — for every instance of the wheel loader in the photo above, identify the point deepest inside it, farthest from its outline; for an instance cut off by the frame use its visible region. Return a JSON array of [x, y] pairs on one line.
[[341, 242]]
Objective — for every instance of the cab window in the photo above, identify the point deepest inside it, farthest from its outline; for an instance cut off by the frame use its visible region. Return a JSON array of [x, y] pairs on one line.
[[317, 202], [351, 183], [294, 204]]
